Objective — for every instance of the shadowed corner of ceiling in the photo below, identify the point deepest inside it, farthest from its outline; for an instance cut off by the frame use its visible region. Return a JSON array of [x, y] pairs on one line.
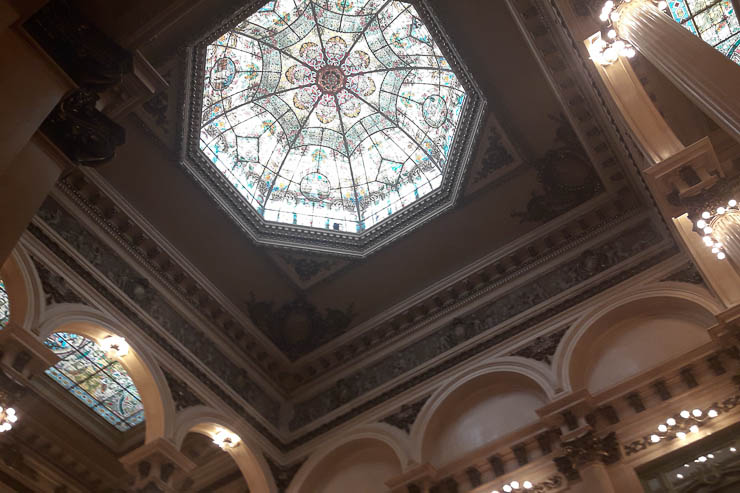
[[298, 327], [565, 174]]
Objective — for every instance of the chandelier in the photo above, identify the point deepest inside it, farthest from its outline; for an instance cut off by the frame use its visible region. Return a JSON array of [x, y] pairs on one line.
[[708, 225], [7, 418], [608, 47], [682, 425]]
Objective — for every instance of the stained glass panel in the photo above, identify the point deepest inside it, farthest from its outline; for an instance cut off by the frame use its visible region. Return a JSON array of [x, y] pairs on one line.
[[330, 114], [715, 21], [98, 381], [4, 305]]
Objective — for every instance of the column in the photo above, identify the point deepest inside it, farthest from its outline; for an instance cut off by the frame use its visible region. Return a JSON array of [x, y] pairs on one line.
[[24, 185], [669, 164], [158, 467], [589, 454], [30, 87], [596, 478], [706, 76]]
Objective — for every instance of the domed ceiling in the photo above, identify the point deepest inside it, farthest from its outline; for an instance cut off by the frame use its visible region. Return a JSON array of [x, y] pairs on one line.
[[340, 125]]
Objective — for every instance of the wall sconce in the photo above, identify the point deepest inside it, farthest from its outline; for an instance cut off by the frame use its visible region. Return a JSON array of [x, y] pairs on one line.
[[7, 418], [680, 426], [707, 223], [115, 346], [516, 486], [226, 439]]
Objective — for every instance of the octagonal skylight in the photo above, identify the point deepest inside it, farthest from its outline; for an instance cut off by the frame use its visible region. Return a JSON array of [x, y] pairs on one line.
[[334, 115]]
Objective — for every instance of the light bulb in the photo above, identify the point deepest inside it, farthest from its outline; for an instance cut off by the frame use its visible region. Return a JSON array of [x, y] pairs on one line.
[[715, 250], [116, 345], [619, 45], [662, 5], [686, 465], [732, 203], [604, 17], [13, 418], [708, 230], [733, 449], [712, 413], [10, 411], [609, 4], [654, 438], [679, 476], [697, 413], [708, 240], [527, 485], [710, 456], [706, 215], [694, 429], [701, 223], [614, 16], [612, 33], [702, 459], [685, 414], [670, 422], [721, 255], [515, 485], [681, 435], [662, 428], [507, 488], [721, 210], [631, 53]]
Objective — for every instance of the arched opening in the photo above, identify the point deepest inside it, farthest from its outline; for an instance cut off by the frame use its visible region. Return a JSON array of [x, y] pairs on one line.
[[96, 378], [636, 337], [359, 466], [478, 412], [216, 471]]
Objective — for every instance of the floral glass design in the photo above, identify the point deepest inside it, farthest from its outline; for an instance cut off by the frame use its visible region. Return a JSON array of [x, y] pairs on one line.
[[4, 305], [98, 381], [715, 21], [330, 114]]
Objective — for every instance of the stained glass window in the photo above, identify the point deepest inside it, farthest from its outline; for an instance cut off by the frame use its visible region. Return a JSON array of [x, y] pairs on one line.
[[715, 21], [330, 114], [98, 381], [4, 305]]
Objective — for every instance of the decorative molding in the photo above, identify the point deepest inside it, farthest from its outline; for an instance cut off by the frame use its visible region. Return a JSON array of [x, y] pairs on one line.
[[689, 274], [298, 327], [591, 262], [283, 475], [404, 418], [183, 396], [589, 448], [543, 347], [56, 289]]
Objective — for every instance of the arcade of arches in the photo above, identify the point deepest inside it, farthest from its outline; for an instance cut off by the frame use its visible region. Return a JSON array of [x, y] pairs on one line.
[[331, 246]]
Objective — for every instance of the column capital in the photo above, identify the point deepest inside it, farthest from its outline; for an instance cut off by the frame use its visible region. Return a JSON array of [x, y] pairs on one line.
[[22, 356], [589, 448], [158, 466]]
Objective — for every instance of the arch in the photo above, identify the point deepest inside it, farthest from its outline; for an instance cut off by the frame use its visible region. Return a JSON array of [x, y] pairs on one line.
[[694, 304], [247, 455], [533, 374], [24, 288], [140, 364], [380, 439]]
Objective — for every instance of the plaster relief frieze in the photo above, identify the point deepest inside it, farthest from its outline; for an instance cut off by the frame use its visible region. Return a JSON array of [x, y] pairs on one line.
[[283, 475], [542, 348], [146, 297], [404, 418], [306, 269], [689, 275], [182, 394], [527, 296], [56, 289]]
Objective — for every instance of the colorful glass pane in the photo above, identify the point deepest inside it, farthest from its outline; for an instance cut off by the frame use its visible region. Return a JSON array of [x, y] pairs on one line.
[[306, 103], [96, 380], [715, 21], [4, 305]]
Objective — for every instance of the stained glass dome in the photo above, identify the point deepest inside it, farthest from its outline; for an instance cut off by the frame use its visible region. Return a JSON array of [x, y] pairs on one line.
[[715, 21], [334, 115]]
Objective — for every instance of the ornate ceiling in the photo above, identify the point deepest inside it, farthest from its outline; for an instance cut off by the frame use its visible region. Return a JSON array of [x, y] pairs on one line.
[[299, 342]]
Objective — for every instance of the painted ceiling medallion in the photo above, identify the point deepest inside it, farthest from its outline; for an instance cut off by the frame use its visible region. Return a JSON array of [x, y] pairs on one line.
[[342, 124]]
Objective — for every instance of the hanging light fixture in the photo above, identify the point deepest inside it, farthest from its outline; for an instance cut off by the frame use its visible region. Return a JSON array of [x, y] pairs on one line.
[[115, 346], [515, 486], [7, 418], [608, 47], [226, 439], [708, 225]]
